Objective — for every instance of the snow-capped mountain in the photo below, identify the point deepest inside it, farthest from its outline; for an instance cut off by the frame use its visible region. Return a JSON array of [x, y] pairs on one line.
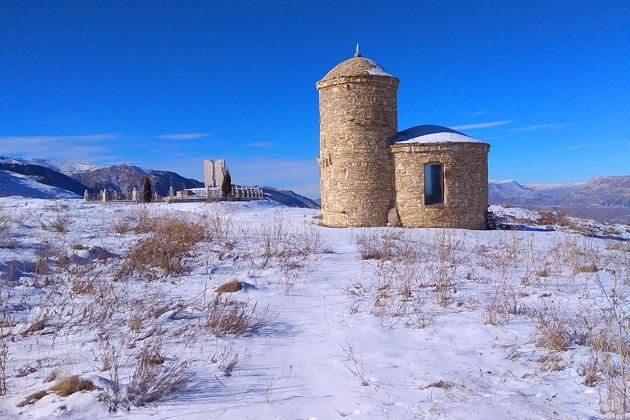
[[606, 198], [80, 176], [40, 178], [511, 192]]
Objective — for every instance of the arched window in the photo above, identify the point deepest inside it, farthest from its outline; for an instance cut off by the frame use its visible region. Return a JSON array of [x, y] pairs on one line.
[[433, 183]]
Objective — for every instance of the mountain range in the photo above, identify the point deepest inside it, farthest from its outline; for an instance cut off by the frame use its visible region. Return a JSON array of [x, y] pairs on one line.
[[604, 197], [41, 178]]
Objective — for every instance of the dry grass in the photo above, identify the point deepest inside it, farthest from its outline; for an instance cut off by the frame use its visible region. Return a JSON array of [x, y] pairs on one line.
[[152, 381], [354, 364], [551, 362], [554, 333], [71, 384], [32, 398], [229, 316], [373, 245], [589, 268], [161, 254], [231, 287], [6, 239], [121, 226]]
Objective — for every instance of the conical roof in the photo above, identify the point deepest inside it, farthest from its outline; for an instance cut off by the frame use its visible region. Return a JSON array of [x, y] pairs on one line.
[[356, 66]]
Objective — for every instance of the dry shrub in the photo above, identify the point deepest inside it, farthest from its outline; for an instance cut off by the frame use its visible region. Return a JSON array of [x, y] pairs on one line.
[[135, 320], [83, 286], [551, 362], [61, 218], [354, 364], [558, 330], [229, 316], [231, 287], [30, 399], [220, 224], [503, 303], [151, 381], [589, 370], [372, 246], [36, 325], [307, 241], [611, 343], [4, 354], [172, 238], [589, 268], [552, 217], [273, 237], [6, 239], [554, 334], [446, 244], [71, 384], [121, 226]]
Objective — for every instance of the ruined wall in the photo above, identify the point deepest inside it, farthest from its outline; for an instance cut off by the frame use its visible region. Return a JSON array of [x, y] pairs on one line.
[[465, 184], [358, 116]]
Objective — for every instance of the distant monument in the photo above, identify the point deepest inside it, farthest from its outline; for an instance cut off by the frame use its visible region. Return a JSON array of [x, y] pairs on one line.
[[220, 170], [208, 174], [213, 172]]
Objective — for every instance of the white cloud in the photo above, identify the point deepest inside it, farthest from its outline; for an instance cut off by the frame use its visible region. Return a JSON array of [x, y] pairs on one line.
[[481, 125], [183, 136], [82, 147], [259, 145], [540, 127], [570, 148]]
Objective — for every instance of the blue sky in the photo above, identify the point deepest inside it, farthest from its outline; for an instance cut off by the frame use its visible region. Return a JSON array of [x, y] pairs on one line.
[[166, 84]]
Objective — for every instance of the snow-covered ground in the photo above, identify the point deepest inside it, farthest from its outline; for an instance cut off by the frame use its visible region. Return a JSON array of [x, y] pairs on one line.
[[357, 323]]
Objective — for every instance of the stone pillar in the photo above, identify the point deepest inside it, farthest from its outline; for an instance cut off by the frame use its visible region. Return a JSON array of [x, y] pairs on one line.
[[103, 195], [134, 194], [220, 169], [208, 173], [86, 196], [171, 193]]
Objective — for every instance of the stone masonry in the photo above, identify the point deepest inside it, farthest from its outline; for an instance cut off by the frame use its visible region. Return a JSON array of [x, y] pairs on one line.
[[465, 184], [358, 116], [371, 176]]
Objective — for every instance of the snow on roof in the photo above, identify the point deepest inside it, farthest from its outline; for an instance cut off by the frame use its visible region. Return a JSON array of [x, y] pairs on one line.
[[356, 66], [433, 134]]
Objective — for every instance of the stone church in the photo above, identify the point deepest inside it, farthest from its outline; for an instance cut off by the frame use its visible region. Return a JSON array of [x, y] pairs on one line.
[[374, 175]]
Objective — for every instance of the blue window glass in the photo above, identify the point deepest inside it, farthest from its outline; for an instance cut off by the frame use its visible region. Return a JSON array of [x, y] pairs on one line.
[[433, 184]]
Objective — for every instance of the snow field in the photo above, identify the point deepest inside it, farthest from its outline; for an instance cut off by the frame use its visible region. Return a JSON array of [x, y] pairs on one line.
[[360, 323]]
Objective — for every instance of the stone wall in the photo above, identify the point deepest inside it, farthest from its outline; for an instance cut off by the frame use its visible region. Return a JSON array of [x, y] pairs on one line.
[[465, 184], [358, 117]]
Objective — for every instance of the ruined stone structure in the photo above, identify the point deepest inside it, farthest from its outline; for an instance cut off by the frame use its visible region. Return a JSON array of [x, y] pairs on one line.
[[373, 175]]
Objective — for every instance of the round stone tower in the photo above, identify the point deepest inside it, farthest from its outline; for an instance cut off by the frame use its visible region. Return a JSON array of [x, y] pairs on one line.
[[358, 119]]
